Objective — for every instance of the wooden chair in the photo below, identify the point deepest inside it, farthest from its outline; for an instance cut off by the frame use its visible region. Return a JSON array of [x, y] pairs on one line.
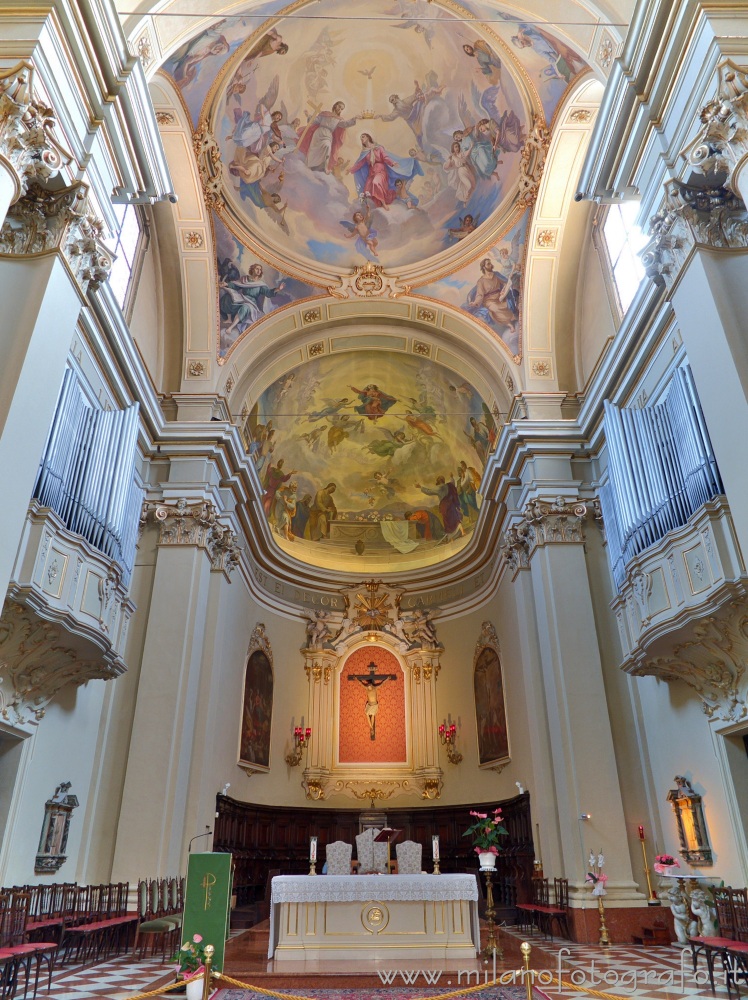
[[409, 858]]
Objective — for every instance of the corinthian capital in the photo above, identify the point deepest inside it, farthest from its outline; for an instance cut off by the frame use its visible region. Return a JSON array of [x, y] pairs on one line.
[[43, 221], [721, 146], [692, 216], [26, 139], [556, 520]]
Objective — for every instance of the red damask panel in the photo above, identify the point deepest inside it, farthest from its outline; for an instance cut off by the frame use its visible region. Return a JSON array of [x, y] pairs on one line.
[[379, 708]]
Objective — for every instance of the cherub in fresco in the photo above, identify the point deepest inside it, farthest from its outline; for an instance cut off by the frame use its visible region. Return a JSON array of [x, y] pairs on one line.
[[426, 30], [488, 62], [360, 230], [387, 484], [209, 43], [410, 109], [312, 437], [250, 168], [467, 226], [403, 196], [421, 427], [271, 43], [341, 428]]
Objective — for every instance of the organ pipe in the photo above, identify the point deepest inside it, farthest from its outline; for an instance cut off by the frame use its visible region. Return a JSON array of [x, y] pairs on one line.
[[661, 469], [87, 473]]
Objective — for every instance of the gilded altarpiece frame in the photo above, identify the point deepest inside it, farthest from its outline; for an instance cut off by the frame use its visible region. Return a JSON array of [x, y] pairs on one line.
[[490, 702], [406, 655], [257, 705]]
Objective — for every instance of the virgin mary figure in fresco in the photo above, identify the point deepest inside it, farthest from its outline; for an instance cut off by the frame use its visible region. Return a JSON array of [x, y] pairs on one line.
[[376, 171]]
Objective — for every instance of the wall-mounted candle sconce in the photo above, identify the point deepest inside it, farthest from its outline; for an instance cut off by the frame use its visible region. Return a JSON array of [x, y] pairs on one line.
[[301, 738], [448, 736]]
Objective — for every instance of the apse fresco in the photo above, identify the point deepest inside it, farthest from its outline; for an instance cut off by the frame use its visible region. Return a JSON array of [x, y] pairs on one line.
[[376, 142], [371, 455], [248, 288], [489, 288]]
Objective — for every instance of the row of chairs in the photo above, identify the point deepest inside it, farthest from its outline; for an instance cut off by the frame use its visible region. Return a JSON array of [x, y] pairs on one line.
[[372, 857], [17, 953], [542, 912], [160, 906], [731, 944]]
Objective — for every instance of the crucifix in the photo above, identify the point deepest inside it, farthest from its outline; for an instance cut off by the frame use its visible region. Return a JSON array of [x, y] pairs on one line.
[[371, 682]]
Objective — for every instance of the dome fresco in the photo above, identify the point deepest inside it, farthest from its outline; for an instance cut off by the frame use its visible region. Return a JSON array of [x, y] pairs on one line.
[[370, 455], [338, 138]]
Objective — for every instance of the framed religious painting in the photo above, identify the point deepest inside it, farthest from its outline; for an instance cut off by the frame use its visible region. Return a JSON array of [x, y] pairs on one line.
[[490, 704], [257, 705]]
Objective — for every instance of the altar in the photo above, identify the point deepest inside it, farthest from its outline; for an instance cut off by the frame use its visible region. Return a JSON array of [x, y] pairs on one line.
[[373, 916]]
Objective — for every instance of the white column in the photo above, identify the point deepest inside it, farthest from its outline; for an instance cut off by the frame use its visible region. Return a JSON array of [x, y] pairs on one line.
[[152, 831]]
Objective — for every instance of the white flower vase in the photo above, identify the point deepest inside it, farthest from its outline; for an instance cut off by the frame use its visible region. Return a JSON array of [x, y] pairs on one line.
[[194, 989], [487, 860]]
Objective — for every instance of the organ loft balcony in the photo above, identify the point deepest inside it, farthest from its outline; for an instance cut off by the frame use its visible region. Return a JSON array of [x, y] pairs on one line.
[[64, 620]]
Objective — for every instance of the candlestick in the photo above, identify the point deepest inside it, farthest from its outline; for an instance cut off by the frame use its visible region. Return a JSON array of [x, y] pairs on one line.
[[652, 899], [313, 856], [435, 852]]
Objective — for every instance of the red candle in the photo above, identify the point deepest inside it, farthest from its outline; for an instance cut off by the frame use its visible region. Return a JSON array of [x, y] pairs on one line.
[[641, 832]]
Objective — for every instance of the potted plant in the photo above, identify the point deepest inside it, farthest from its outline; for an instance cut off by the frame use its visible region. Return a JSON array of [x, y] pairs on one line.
[[664, 863], [486, 833], [190, 961]]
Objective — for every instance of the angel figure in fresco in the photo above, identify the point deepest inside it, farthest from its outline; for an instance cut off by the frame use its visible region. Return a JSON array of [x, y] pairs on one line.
[[250, 168], [488, 62], [490, 299], [459, 171], [360, 230], [392, 442], [467, 225], [210, 43], [374, 401], [410, 109], [321, 140]]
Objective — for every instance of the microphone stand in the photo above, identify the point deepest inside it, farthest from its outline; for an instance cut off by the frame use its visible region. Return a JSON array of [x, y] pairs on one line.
[[207, 833]]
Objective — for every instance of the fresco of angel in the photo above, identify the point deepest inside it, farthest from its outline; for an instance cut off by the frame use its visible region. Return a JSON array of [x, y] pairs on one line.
[[563, 62], [411, 109], [361, 231], [488, 62]]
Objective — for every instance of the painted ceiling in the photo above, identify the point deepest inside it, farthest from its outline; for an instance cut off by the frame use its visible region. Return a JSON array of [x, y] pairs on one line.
[[372, 456], [341, 136]]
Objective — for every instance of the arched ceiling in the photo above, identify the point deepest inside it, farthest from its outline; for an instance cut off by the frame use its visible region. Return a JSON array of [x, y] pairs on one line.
[[334, 137]]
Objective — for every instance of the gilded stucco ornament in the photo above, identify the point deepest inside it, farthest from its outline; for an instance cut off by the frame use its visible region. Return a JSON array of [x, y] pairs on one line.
[[711, 217], [367, 281], [721, 146], [26, 124], [532, 161], [43, 221], [209, 165]]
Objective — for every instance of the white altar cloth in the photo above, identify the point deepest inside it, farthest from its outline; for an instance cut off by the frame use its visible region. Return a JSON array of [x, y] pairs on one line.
[[452, 897]]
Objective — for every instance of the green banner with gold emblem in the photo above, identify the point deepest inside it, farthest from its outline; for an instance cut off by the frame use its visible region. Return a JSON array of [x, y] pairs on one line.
[[207, 901]]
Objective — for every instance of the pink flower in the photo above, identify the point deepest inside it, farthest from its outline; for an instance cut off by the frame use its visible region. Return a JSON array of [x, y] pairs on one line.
[[197, 938], [602, 877], [497, 812], [480, 815]]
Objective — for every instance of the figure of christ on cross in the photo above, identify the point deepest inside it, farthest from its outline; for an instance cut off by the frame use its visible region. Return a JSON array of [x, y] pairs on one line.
[[371, 682]]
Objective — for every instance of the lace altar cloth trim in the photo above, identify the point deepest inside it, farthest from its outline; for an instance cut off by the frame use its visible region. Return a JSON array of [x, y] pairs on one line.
[[349, 888]]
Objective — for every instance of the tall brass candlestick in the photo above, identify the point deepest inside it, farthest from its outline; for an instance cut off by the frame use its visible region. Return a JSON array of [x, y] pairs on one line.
[[604, 939], [652, 899]]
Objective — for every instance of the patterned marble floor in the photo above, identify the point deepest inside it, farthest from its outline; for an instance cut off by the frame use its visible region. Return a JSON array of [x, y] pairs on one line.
[[624, 971]]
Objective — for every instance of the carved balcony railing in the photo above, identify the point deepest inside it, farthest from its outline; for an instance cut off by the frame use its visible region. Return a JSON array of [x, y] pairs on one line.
[[682, 613]]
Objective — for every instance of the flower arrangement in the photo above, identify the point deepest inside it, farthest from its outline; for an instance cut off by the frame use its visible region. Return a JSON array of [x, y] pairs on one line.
[[190, 958], [486, 832], [596, 877], [663, 863]]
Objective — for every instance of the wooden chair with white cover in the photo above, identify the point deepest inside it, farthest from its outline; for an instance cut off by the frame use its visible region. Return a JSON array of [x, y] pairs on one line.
[[409, 857], [338, 856]]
